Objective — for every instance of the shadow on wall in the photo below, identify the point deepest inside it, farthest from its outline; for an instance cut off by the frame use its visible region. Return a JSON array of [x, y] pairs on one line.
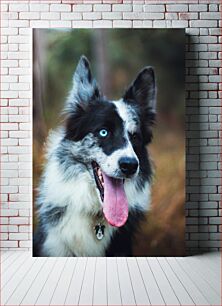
[[196, 224]]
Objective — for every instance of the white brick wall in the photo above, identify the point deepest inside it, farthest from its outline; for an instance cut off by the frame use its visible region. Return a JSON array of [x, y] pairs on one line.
[[203, 108]]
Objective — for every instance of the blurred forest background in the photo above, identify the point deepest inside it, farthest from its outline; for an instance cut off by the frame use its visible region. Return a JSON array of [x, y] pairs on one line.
[[116, 56]]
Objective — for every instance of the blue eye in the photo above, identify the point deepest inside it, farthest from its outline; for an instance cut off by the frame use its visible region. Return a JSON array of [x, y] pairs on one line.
[[103, 133]]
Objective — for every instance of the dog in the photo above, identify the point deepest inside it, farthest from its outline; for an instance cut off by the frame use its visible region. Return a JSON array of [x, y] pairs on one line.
[[96, 184]]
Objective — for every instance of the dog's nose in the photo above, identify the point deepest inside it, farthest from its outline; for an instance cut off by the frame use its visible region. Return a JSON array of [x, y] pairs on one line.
[[128, 165]]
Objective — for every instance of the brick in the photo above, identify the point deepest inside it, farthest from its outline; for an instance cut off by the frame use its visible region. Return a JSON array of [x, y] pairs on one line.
[[9, 126], [154, 8], [171, 16], [208, 15], [4, 7], [122, 7], [210, 244], [39, 7], [102, 7], [25, 244], [199, 236], [213, 7], [160, 23], [9, 212], [4, 220], [60, 7], [214, 63], [51, 15], [216, 31], [211, 228], [82, 24], [135, 15], [39, 23], [203, 23], [24, 212], [60, 24], [82, 8], [180, 23], [29, 15], [112, 15], [208, 205], [215, 236], [197, 7], [9, 244], [122, 23], [19, 118], [139, 24], [208, 212], [9, 142], [9, 63], [137, 7], [18, 220], [147, 23], [18, 236], [92, 15], [102, 23], [24, 229], [71, 16], [18, 7], [18, 23], [187, 16], [177, 8]]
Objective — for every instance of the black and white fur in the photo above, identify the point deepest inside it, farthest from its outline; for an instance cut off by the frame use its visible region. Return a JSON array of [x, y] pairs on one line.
[[69, 204]]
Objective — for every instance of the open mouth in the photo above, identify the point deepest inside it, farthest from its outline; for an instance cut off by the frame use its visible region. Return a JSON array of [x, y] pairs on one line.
[[98, 176], [113, 196]]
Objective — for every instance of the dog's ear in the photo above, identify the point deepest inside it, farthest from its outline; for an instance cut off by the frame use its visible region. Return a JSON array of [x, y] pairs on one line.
[[85, 87], [142, 94], [143, 90]]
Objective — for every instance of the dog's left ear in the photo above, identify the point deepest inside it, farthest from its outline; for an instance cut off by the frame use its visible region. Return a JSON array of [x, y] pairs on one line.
[[85, 87], [142, 93]]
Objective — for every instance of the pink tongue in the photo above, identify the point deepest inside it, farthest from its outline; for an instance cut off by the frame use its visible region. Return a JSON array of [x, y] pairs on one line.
[[115, 205]]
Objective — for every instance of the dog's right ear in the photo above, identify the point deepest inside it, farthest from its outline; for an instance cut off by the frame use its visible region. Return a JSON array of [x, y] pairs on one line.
[[84, 88]]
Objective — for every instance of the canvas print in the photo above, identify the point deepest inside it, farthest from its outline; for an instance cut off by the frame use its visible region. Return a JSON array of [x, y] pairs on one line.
[[108, 142]]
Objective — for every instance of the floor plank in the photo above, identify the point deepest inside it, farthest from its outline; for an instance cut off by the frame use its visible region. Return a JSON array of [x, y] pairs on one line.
[[152, 288], [139, 289], [113, 285], [62, 287], [38, 284], [164, 285], [181, 293], [73, 294], [213, 261], [13, 269], [86, 294], [10, 261], [187, 281], [17, 278], [47, 291], [214, 280], [210, 294], [100, 282], [5, 255], [126, 289], [18, 294]]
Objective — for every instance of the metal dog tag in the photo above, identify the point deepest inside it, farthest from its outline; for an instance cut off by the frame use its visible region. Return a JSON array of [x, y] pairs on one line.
[[99, 230]]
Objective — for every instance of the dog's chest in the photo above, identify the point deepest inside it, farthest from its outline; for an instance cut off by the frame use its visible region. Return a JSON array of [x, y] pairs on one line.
[[86, 236]]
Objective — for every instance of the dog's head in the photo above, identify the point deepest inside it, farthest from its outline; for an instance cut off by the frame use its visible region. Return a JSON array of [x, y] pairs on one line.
[[110, 136]]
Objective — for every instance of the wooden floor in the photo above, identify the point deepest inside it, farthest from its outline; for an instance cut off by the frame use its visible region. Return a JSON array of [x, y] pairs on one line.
[[110, 281]]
